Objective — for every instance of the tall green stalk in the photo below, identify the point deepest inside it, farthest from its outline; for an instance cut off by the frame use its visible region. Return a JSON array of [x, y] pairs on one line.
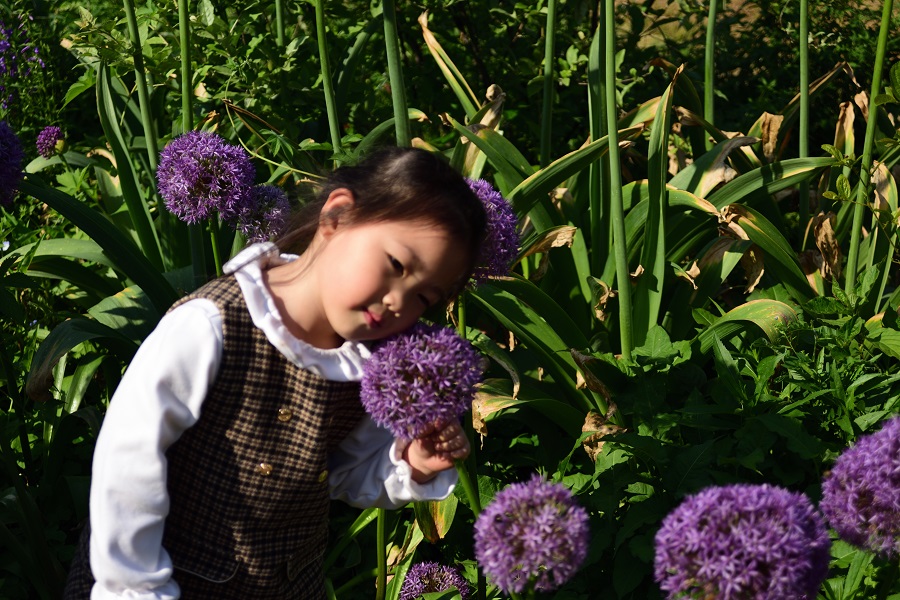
[[549, 58], [145, 230], [140, 81], [395, 73], [709, 67], [599, 173], [804, 113], [381, 545], [195, 232], [865, 168], [617, 211], [279, 23], [327, 84]]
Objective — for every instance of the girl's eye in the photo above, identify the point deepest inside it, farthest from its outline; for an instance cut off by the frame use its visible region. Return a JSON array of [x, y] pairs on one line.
[[396, 264], [426, 301]]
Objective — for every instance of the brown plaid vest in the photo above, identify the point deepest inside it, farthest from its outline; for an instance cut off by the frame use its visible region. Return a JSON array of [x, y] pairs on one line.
[[248, 483]]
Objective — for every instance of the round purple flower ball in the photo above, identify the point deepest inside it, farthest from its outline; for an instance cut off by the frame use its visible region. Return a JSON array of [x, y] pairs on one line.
[[861, 494], [742, 542], [533, 535], [425, 577], [501, 240], [267, 216], [47, 140], [420, 377], [11, 159], [199, 174]]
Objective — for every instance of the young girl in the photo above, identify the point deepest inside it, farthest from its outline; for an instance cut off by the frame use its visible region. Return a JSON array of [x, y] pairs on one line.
[[239, 416]]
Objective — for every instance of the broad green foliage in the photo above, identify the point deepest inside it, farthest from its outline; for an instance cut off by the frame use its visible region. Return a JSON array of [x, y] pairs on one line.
[[669, 323]]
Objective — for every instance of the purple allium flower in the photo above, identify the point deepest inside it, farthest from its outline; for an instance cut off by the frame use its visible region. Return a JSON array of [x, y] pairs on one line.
[[501, 240], [531, 534], [426, 577], [11, 157], [861, 494], [267, 216], [742, 542], [200, 173], [47, 139], [422, 376]]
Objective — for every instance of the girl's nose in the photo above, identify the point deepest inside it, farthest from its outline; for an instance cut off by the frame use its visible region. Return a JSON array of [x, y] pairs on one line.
[[393, 302]]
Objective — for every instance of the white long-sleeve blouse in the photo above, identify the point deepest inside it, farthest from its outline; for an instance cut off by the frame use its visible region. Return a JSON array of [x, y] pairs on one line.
[[161, 395]]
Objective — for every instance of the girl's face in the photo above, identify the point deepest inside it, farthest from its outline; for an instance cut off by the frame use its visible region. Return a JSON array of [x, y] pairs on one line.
[[371, 280]]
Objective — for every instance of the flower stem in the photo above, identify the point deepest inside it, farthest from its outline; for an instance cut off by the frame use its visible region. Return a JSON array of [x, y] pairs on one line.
[[395, 73], [279, 22], [184, 36], [549, 58], [140, 81], [803, 150], [617, 211], [866, 166], [708, 68], [214, 240], [381, 576], [327, 84]]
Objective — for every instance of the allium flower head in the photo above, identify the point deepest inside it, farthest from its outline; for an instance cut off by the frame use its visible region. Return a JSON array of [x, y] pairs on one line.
[[531, 534], [861, 494], [426, 577], [267, 215], [47, 140], [199, 173], [11, 158], [422, 376], [501, 240], [742, 542]]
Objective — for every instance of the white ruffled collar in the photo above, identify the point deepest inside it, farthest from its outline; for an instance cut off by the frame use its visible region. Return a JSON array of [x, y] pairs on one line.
[[342, 363]]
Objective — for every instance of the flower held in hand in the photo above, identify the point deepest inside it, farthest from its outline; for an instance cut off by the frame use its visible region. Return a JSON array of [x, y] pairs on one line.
[[742, 542], [533, 533], [415, 379]]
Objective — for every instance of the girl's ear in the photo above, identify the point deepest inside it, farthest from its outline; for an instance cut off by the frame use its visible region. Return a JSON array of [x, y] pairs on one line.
[[339, 201]]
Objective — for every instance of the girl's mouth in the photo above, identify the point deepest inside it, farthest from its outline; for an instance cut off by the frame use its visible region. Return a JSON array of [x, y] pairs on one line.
[[373, 321]]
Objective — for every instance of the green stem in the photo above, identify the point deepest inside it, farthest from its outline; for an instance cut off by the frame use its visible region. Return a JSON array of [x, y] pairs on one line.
[[327, 84], [804, 114], [140, 80], [279, 23], [708, 66], [355, 581], [187, 92], [395, 73], [617, 211], [547, 111], [195, 232], [380, 544], [866, 165], [214, 240], [599, 173]]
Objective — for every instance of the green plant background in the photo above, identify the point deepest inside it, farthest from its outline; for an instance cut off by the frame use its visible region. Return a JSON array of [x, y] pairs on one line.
[[616, 367]]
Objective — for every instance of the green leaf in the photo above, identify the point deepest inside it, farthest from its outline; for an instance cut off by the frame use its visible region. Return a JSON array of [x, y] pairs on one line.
[[64, 337], [127, 173], [85, 82], [118, 248], [768, 315], [537, 186], [895, 79]]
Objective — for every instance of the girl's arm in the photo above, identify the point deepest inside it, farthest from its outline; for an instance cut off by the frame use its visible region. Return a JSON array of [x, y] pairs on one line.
[[159, 397], [368, 470]]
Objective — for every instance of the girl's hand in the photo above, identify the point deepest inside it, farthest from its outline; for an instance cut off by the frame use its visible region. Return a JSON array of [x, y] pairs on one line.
[[436, 450]]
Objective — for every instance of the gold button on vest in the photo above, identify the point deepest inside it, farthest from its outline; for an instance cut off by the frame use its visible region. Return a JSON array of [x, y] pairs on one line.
[[285, 414], [264, 469]]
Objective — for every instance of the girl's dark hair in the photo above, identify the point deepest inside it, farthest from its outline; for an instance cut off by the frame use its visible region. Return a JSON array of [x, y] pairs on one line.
[[398, 184]]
